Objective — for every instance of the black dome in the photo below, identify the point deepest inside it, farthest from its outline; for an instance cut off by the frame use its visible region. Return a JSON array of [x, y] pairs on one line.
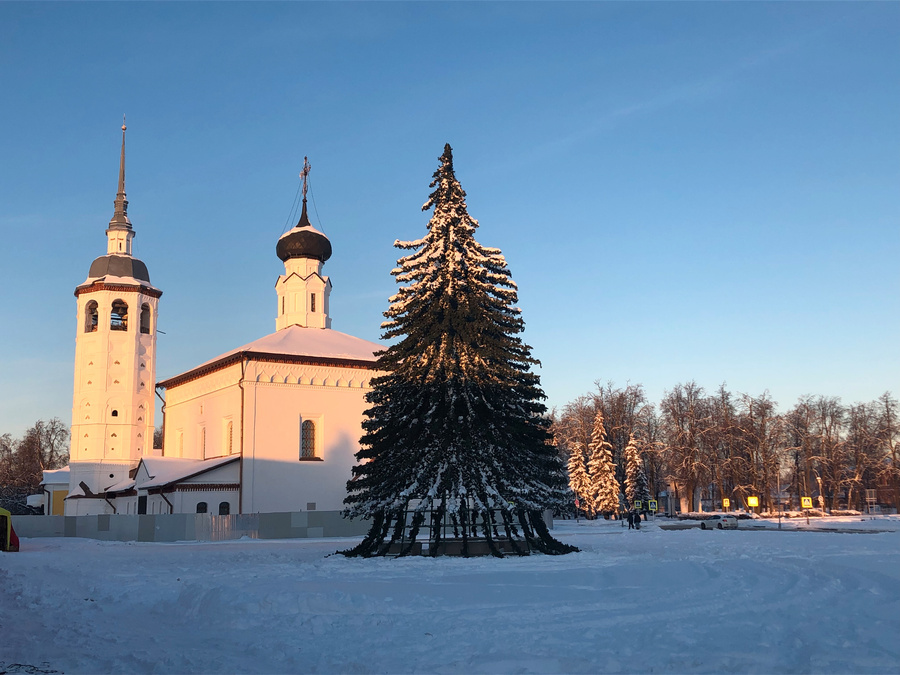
[[119, 266], [304, 241]]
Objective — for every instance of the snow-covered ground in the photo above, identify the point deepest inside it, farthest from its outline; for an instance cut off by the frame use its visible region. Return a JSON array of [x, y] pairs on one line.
[[654, 601]]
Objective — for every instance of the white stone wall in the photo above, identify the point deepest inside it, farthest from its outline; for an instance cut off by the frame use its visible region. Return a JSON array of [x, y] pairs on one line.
[[113, 393], [277, 398], [303, 295], [201, 409]]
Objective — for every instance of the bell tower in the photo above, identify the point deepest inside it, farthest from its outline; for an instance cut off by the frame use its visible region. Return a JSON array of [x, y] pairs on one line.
[[115, 366], [303, 292]]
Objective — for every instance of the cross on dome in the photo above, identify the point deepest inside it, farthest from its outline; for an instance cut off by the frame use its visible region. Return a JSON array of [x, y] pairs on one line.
[[304, 174]]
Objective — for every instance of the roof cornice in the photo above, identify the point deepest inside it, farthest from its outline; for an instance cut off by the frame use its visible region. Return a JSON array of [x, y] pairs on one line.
[[127, 288], [264, 357]]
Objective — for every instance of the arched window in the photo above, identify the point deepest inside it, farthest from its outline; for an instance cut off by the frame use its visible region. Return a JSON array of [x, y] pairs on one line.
[[307, 440], [115, 413], [90, 317], [145, 319], [118, 320], [224, 508], [312, 302], [201, 507]]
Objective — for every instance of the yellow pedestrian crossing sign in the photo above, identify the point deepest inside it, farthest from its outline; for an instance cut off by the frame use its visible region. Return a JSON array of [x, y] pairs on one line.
[[752, 501], [806, 502], [637, 505], [652, 505], [726, 502]]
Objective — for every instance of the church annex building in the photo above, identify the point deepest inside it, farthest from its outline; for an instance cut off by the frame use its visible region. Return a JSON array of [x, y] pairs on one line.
[[272, 426]]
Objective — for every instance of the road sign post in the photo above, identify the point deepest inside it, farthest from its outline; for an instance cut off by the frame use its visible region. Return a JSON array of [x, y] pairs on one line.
[[806, 505]]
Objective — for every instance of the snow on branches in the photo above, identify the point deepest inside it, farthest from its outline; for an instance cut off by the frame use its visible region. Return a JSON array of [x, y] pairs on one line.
[[579, 481], [457, 431], [602, 471], [636, 488]]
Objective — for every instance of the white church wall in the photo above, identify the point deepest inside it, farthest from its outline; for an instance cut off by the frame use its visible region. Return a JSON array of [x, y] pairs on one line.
[[275, 478], [186, 496], [198, 413]]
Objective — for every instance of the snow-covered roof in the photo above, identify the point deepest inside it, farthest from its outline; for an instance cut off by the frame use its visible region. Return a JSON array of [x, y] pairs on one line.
[[75, 492], [163, 471], [292, 343], [121, 486], [56, 476], [305, 228]]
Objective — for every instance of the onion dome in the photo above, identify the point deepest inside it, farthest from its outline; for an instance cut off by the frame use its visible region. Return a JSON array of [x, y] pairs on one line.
[[303, 241]]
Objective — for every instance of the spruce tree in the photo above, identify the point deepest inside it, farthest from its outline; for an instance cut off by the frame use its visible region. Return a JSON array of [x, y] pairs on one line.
[[604, 486], [636, 489], [580, 482], [456, 432]]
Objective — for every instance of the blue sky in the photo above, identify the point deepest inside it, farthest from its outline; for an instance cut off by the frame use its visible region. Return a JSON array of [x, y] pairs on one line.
[[682, 190]]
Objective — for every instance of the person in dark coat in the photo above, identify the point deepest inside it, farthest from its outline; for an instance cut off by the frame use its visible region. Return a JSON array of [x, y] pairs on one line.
[[631, 520], [637, 520]]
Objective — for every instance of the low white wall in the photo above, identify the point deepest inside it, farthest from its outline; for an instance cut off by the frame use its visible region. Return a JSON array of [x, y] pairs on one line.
[[192, 527]]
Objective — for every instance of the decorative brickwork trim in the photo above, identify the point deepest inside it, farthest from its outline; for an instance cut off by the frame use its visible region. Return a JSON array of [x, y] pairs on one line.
[[119, 288], [206, 487]]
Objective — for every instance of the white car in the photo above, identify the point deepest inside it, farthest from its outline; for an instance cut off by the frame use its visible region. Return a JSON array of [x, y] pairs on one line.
[[720, 521]]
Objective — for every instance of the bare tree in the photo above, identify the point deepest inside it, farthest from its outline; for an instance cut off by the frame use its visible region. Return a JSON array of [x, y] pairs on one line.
[[44, 446], [761, 429], [682, 412], [621, 409], [888, 439]]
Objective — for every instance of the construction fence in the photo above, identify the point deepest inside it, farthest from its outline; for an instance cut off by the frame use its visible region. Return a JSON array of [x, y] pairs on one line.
[[193, 527]]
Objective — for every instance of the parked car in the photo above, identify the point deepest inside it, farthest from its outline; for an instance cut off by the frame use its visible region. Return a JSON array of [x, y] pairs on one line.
[[720, 521]]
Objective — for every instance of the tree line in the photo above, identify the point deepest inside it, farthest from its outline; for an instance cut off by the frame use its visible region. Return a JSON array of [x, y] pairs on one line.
[[704, 446], [23, 460]]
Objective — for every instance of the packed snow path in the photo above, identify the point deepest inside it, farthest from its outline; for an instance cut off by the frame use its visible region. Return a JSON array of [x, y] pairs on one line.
[[650, 601]]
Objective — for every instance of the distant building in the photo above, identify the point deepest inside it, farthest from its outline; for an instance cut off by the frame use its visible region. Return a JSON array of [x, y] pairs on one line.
[[268, 427]]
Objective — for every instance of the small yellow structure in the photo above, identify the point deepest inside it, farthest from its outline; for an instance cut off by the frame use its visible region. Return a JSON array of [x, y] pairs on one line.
[[8, 539]]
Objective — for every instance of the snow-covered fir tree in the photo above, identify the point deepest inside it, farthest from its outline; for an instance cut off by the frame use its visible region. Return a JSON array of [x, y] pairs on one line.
[[457, 431], [602, 471], [579, 481], [635, 478]]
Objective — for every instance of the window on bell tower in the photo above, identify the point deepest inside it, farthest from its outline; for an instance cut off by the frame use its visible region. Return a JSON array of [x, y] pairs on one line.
[[145, 319], [312, 302], [90, 317], [118, 320]]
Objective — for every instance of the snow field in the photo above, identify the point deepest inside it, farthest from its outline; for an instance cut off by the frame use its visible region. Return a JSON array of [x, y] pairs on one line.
[[656, 601]]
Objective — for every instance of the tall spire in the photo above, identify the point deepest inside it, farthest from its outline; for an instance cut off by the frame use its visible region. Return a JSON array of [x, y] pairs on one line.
[[304, 174], [120, 216]]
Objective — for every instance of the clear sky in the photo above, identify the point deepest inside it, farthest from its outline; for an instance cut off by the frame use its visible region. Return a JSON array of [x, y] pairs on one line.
[[682, 190]]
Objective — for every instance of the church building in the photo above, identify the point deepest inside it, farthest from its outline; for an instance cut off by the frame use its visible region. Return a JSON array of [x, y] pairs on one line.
[[272, 426]]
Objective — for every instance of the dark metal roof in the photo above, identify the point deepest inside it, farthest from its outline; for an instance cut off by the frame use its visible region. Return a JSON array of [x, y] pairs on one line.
[[119, 266], [304, 241]]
